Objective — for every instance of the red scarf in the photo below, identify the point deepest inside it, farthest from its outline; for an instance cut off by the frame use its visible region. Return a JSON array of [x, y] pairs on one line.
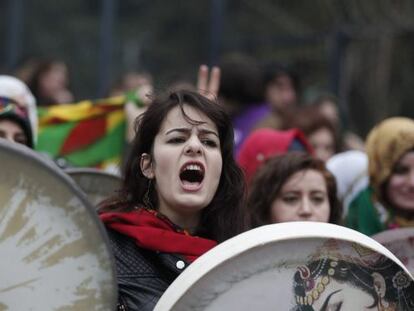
[[155, 232]]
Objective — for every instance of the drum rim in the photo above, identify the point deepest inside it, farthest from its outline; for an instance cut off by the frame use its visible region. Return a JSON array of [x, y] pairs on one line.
[[89, 170]]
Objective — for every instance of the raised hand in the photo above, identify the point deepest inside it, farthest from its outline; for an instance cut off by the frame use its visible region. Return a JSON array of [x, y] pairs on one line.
[[208, 85]]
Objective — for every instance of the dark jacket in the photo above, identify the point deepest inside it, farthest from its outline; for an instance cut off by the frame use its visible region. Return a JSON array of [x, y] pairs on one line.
[[142, 275]]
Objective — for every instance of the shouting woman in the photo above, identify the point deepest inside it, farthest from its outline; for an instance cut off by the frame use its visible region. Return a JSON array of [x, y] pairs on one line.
[[182, 194]]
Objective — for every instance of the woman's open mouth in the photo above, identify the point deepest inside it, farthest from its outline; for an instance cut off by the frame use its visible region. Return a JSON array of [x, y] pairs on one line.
[[192, 176]]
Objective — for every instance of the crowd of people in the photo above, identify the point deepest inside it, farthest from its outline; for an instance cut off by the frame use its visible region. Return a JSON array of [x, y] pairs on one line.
[[202, 167]]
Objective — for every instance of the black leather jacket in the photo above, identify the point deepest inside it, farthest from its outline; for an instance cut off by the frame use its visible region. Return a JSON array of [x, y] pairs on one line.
[[143, 275]]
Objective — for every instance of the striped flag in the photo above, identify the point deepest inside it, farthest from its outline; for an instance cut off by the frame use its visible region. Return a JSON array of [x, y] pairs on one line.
[[85, 134]]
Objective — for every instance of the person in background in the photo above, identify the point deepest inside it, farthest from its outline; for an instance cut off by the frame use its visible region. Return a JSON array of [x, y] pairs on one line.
[[265, 143], [132, 81], [293, 187], [241, 94], [388, 201], [18, 117], [14, 123], [282, 92], [319, 130], [182, 194], [50, 83], [25, 69], [328, 107]]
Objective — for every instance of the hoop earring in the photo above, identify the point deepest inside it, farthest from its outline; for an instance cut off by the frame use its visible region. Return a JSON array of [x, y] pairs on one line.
[[146, 199]]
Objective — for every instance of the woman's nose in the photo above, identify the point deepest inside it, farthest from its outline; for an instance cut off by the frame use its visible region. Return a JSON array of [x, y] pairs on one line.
[[10, 138], [305, 208], [194, 146]]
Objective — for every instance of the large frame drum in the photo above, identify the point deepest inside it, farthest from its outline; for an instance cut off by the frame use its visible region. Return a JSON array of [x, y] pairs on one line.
[[97, 184], [293, 266], [54, 249]]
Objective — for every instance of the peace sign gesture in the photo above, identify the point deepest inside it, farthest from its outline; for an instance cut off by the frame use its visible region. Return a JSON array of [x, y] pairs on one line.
[[208, 86]]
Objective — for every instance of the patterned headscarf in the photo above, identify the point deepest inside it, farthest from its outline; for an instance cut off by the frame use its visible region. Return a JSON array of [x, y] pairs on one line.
[[12, 111], [385, 145], [17, 90]]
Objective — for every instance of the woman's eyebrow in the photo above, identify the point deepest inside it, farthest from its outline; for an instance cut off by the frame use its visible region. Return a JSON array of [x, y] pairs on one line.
[[178, 129], [187, 129], [318, 191], [290, 191], [326, 302], [207, 131]]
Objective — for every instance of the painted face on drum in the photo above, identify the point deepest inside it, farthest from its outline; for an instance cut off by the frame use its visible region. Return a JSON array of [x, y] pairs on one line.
[[343, 296], [186, 165]]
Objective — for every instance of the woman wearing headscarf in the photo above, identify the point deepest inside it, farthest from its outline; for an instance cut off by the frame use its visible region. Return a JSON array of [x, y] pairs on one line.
[[18, 115], [388, 201]]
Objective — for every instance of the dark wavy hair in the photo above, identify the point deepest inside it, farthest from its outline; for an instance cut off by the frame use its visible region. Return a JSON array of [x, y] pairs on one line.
[[224, 216], [269, 180]]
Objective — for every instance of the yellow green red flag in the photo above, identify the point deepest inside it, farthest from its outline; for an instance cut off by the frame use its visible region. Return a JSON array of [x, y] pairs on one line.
[[85, 134]]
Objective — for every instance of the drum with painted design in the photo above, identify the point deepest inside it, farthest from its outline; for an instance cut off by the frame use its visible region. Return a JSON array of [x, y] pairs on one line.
[[54, 250], [293, 266]]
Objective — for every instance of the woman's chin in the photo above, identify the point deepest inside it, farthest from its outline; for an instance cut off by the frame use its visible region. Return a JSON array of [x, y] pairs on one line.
[[405, 209], [192, 202]]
